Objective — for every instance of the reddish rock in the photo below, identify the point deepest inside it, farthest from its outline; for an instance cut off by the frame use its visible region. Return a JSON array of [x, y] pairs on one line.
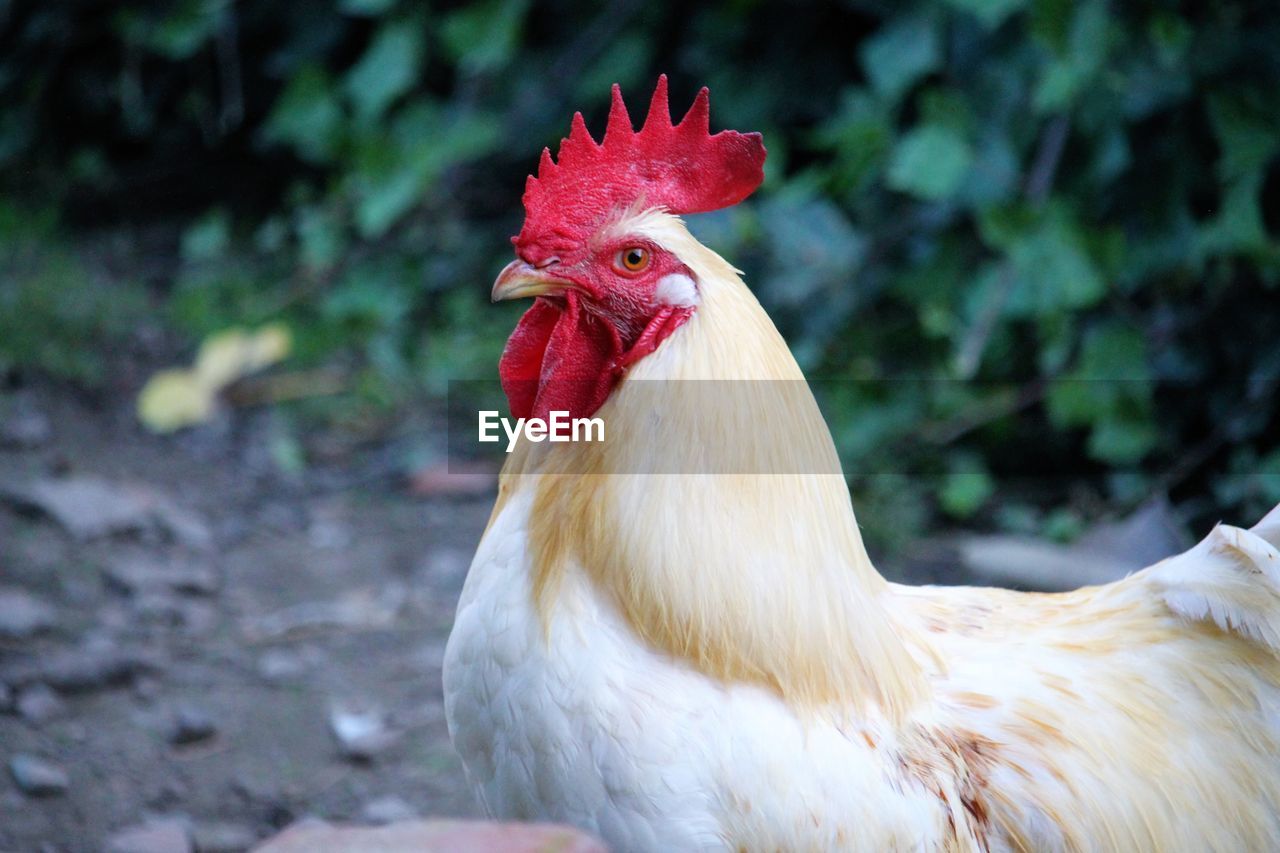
[[459, 480], [432, 836]]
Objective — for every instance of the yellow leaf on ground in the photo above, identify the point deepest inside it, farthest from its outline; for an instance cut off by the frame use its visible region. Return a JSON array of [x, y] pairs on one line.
[[222, 357], [227, 356], [173, 399]]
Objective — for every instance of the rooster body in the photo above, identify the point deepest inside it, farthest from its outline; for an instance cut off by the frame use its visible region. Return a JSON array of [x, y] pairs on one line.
[[688, 661], [1035, 738]]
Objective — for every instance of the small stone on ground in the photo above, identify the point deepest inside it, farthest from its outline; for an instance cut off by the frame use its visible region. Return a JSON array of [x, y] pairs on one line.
[[362, 734], [25, 428], [388, 809], [23, 615], [38, 704], [223, 837], [164, 835], [191, 724], [37, 777], [96, 663]]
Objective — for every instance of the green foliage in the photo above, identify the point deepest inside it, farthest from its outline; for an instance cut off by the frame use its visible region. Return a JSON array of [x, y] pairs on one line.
[[900, 54], [1109, 391], [388, 69], [307, 117], [966, 488], [1057, 219], [930, 162], [52, 303]]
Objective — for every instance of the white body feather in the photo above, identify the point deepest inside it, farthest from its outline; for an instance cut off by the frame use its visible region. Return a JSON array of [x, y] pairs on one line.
[[593, 729], [589, 727]]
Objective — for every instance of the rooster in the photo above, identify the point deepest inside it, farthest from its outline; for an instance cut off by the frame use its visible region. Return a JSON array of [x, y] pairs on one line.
[[679, 657]]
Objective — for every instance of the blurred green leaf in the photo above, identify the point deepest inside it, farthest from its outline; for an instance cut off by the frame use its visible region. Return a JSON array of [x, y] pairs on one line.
[[1171, 36], [1238, 225], [813, 244], [1114, 355], [1052, 264], [371, 295], [483, 36], [1248, 134], [208, 238], [394, 171], [366, 8], [1063, 524], [947, 107], [966, 488], [307, 116], [1110, 391], [468, 343], [388, 69], [386, 184], [995, 173], [934, 286], [990, 12], [900, 54], [625, 63], [186, 28], [862, 136], [322, 235], [1078, 59], [930, 163], [1122, 440], [1111, 156]]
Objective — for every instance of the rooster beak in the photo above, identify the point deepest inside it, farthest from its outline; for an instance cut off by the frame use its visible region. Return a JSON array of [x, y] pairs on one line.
[[518, 279]]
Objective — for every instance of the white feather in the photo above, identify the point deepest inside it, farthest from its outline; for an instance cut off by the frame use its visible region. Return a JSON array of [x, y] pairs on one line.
[[1232, 578], [591, 728], [676, 289]]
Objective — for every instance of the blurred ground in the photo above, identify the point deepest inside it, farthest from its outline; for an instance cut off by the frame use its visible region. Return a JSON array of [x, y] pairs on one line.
[[196, 664]]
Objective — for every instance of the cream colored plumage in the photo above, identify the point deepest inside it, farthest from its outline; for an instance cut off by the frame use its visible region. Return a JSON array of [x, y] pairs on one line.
[[710, 661]]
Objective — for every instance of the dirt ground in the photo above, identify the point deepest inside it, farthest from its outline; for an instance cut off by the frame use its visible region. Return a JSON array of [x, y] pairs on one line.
[[231, 647]]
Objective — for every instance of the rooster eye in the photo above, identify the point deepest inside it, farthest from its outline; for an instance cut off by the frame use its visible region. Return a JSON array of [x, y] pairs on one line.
[[633, 259]]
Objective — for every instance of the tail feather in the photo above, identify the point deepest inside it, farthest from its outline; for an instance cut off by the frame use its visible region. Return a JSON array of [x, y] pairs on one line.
[[1231, 578], [1269, 527]]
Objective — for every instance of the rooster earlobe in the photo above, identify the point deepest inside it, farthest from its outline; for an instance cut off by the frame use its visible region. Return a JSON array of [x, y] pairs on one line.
[[659, 116], [619, 126]]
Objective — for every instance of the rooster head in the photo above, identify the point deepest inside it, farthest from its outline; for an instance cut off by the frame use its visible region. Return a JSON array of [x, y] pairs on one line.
[[605, 296]]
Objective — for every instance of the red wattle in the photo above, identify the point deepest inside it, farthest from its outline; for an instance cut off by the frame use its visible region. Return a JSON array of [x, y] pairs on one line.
[[559, 359], [566, 359], [520, 368]]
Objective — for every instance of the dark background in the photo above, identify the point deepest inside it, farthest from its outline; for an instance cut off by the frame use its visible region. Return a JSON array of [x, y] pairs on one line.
[[1008, 191], [1030, 247]]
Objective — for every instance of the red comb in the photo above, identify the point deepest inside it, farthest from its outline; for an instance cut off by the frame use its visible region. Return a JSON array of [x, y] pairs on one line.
[[682, 167]]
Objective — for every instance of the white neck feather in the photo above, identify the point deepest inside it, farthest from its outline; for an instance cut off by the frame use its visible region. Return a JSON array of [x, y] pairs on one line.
[[749, 576]]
